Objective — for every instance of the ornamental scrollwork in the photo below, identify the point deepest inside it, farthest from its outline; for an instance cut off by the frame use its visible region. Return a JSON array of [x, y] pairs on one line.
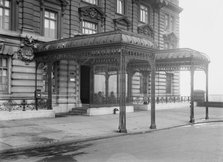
[[92, 12], [26, 51], [146, 30]]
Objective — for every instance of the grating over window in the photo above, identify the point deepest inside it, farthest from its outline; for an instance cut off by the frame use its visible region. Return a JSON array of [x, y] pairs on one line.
[[50, 24], [143, 14], [4, 14], [89, 28], [3, 75]]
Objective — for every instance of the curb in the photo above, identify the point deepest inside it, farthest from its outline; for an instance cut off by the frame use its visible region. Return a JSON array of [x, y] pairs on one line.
[[23, 148]]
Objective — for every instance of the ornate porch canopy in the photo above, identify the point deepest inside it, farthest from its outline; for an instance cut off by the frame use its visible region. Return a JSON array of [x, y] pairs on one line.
[[96, 47], [119, 48], [181, 59], [125, 50]]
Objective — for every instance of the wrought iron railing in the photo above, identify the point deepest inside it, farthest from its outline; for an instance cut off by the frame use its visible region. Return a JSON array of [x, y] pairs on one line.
[[160, 99], [22, 104]]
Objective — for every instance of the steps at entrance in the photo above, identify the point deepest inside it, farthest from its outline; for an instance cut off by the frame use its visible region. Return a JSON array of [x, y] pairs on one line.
[[78, 111]]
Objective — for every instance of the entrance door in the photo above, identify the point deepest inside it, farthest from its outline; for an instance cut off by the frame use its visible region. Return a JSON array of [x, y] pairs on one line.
[[85, 84]]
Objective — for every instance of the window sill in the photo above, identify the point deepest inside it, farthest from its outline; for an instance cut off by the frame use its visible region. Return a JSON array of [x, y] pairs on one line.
[[119, 14], [37, 37], [10, 33]]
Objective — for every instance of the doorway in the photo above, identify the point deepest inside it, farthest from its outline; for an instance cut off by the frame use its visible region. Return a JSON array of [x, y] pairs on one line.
[[85, 84]]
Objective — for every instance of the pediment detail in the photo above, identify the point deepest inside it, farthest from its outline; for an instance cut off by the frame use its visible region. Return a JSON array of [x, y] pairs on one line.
[[91, 12], [63, 4], [170, 38], [146, 30], [124, 21]]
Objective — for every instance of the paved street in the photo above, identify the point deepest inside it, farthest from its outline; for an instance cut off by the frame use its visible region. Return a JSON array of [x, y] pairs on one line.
[[198, 143], [23, 134]]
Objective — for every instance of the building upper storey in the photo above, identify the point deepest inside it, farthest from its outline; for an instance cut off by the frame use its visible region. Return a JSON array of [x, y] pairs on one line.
[[47, 20]]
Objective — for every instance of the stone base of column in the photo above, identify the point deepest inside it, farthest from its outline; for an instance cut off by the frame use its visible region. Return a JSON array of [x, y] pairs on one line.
[[192, 121], [153, 126], [122, 130], [206, 117]]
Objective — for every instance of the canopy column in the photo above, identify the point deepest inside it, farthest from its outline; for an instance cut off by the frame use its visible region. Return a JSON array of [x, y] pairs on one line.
[[153, 110], [49, 77], [36, 68], [122, 93], [91, 84], [206, 116], [192, 96]]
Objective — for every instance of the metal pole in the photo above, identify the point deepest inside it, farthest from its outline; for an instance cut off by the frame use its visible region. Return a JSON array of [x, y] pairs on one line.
[[207, 117], [153, 110], [122, 91], [49, 71], [36, 100], [192, 97]]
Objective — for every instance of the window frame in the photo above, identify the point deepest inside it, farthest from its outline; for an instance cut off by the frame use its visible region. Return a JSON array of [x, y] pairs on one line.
[[13, 15], [90, 22], [56, 9], [170, 24], [148, 14], [8, 74], [51, 20], [123, 7]]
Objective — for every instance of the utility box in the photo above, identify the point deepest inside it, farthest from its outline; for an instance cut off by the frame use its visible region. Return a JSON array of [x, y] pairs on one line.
[[38, 94]]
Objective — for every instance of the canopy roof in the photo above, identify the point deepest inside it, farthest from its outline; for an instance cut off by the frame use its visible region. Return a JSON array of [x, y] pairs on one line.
[[106, 47], [104, 38], [181, 59]]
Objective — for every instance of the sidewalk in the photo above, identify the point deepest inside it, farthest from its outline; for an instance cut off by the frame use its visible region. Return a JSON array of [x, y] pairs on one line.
[[24, 134]]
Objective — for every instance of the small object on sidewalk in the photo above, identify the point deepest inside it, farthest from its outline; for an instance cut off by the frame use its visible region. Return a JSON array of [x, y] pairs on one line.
[[115, 110]]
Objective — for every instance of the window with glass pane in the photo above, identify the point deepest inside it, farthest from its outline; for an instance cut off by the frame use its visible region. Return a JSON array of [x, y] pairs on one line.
[[50, 24], [91, 1], [169, 78], [120, 6], [89, 28], [53, 78], [143, 14], [3, 75], [4, 14], [166, 22]]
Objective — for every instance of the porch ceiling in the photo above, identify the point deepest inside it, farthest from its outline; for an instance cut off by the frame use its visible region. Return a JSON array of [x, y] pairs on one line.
[[181, 59]]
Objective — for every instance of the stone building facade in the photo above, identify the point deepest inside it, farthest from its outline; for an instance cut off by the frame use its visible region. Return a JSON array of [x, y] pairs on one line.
[[39, 21]]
